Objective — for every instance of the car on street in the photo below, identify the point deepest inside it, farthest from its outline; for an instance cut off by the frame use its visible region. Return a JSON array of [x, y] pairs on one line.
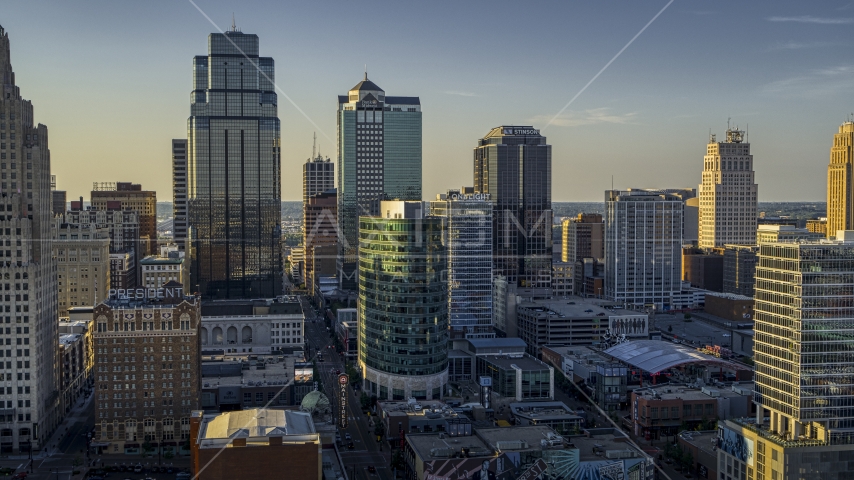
[[348, 437], [350, 446], [20, 475], [372, 469]]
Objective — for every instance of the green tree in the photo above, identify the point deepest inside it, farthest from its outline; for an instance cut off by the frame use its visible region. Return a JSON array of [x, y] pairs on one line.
[[364, 400], [688, 460], [147, 448], [397, 460], [687, 316]]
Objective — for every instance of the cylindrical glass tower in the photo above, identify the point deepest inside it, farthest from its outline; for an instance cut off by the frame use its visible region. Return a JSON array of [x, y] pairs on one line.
[[403, 303]]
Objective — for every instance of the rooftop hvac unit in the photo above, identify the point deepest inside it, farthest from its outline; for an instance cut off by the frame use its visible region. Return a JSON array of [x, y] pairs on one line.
[[618, 454], [511, 445], [710, 392]]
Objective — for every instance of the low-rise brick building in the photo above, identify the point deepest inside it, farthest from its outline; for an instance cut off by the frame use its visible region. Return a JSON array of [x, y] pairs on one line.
[[257, 443]]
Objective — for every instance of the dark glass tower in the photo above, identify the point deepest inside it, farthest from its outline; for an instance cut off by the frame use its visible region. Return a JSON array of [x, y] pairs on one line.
[[234, 176], [514, 165]]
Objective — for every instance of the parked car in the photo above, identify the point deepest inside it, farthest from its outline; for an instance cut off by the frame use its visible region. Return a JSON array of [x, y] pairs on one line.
[[350, 446], [348, 437]]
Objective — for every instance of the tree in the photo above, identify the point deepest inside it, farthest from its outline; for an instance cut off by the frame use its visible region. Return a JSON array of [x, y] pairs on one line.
[[364, 400], [378, 430], [147, 448], [168, 455], [688, 460], [397, 460], [687, 316]]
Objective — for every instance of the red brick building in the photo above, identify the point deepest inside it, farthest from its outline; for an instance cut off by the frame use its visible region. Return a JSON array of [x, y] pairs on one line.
[[257, 443]]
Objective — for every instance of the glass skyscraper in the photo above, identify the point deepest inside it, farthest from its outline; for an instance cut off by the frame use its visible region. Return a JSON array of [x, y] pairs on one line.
[[234, 175], [514, 166], [467, 235], [379, 158], [403, 303]]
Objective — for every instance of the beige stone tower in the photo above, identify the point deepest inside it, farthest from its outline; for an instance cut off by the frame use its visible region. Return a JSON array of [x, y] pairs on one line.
[[840, 181], [728, 193]]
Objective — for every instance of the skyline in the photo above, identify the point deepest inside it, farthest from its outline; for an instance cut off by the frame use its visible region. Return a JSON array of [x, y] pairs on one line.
[[121, 88]]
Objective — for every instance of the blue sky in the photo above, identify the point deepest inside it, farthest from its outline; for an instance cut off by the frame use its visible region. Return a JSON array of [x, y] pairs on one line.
[[112, 79]]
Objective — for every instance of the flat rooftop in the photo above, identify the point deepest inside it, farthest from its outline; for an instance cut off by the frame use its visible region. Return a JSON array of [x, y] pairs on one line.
[[69, 338], [684, 392], [543, 411], [578, 307], [705, 441], [525, 362], [596, 442], [429, 446], [503, 438], [220, 374]]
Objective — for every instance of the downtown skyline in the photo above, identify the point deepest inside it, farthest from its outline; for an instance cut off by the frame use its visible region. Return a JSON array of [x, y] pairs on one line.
[[117, 93]]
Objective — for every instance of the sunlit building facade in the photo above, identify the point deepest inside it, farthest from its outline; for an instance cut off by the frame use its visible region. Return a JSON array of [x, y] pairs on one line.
[[234, 173], [403, 303]]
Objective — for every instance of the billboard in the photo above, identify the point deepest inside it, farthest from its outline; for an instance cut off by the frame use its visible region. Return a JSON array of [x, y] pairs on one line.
[[632, 326], [736, 445]]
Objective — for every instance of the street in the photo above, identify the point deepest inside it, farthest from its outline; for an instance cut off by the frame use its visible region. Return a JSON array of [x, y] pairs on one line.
[[366, 451]]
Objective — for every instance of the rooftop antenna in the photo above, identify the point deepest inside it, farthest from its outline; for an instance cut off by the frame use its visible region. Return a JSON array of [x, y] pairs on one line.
[[727, 123], [366, 71], [747, 133], [612, 182], [314, 145], [233, 24]]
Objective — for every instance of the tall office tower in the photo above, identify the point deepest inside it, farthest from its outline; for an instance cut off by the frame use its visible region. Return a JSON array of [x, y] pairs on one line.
[[179, 193], [82, 256], [514, 165], [234, 171], [379, 157], [804, 371], [129, 196], [582, 237], [28, 271], [728, 193], [840, 181], [403, 347], [320, 231], [643, 246], [467, 236], [154, 342], [318, 175]]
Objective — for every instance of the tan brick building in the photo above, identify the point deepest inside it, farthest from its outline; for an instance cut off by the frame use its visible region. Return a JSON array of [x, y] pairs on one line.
[[840, 181], [129, 196], [147, 369], [82, 254]]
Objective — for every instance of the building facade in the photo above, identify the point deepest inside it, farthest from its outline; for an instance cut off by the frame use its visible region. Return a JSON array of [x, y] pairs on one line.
[[728, 193], [320, 229], [467, 236], [643, 246], [403, 303], [513, 164], [240, 327], [30, 412], [840, 181], [158, 271], [804, 297], [379, 157], [234, 171], [59, 202], [146, 369], [739, 269], [125, 244], [129, 196], [82, 256], [179, 192], [582, 237], [783, 233]]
